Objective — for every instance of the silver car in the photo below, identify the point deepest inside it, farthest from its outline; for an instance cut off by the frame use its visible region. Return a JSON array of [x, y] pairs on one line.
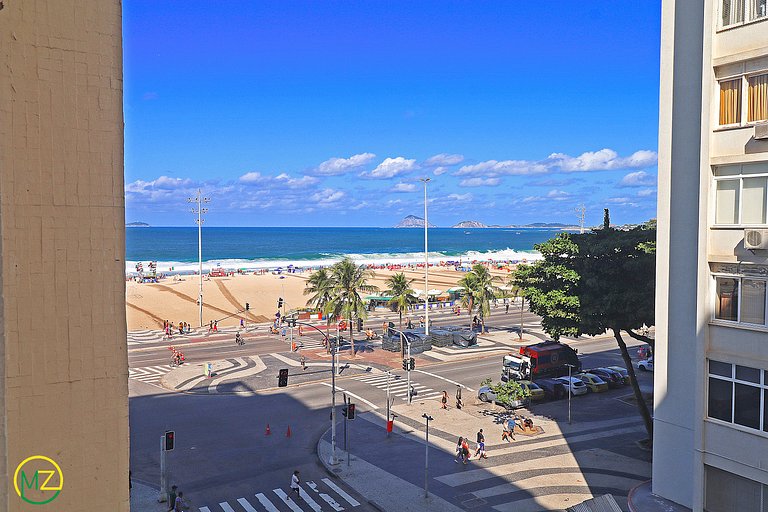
[[485, 394]]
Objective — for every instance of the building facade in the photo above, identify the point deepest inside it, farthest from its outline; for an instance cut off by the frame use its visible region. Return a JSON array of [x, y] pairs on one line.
[[711, 357], [63, 357]]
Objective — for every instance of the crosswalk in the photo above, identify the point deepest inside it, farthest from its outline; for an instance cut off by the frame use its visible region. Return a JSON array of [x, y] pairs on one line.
[[149, 374], [324, 495], [399, 387]]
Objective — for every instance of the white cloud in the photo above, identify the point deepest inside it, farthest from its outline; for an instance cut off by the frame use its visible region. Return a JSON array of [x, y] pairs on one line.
[[480, 182], [558, 194], [336, 166], [638, 179], [251, 177], [391, 167], [440, 170], [622, 201], [161, 183], [602, 160], [443, 159], [404, 187], [304, 181], [327, 196], [646, 192], [459, 197]]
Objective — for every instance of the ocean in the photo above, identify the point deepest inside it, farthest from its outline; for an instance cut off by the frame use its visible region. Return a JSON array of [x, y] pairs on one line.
[[175, 248]]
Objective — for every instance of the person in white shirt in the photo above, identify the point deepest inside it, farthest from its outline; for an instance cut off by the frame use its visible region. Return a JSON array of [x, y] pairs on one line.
[[295, 484]]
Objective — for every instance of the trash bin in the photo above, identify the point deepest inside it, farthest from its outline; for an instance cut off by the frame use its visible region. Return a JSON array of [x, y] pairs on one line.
[[390, 424]]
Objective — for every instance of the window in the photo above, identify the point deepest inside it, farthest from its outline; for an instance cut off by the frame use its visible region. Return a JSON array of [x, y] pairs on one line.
[[752, 301], [741, 194], [738, 397], [757, 97], [727, 492], [727, 305], [758, 9], [730, 102], [732, 12]]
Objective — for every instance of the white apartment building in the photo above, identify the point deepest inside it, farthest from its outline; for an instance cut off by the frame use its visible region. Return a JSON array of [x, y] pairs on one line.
[[711, 361]]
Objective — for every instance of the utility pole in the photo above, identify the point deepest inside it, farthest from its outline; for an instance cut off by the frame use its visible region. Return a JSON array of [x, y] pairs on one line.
[[581, 211], [389, 374], [570, 391], [426, 266], [426, 456], [199, 200], [522, 305]]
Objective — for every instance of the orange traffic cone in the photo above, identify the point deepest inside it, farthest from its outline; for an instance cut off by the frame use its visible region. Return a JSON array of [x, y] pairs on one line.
[[288, 434], [268, 431]]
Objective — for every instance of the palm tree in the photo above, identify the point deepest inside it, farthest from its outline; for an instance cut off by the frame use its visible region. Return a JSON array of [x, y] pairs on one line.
[[348, 280], [320, 286], [468, 298], [480, 290], [399, 287]]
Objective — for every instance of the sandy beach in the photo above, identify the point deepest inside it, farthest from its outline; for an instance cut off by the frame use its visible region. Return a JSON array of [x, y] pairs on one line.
[[175, 298]]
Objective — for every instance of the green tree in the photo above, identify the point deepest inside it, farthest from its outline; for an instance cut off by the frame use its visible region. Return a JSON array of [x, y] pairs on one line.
[[349, 280], [595, 282], [399, 287], [320, 286], [508, 392], [483, 291], [468, 297]]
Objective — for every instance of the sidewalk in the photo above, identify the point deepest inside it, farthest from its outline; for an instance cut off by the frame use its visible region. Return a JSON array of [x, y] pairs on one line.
[[144, 499]]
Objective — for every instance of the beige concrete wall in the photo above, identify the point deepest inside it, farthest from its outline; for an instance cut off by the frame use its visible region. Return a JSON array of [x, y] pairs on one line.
[[62, 229]]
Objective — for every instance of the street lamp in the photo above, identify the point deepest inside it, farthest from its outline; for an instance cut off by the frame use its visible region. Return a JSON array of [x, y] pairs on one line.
[[426, 456], [199, 200], [426, 261], [570, 391]]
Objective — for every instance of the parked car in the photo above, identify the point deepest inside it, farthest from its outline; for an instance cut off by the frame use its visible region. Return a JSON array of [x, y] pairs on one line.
[[623, 371], [613, 378], [574, 385], [594, 383], [646, 365], [486, 394], [536, 392], [553, 389]]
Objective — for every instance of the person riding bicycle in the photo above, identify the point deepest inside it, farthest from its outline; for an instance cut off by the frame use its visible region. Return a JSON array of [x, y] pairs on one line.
[[238, 339]]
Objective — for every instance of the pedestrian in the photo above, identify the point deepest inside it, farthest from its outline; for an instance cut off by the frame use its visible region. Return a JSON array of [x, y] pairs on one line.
[[465, 449], [481, 445], [458, 397], [210, 326], [508, 432], [215, 326], [444, 400], [172, 498], [180, 505], [242, 323], [459, 451], [295, 484], [507, 309], [303, 361]]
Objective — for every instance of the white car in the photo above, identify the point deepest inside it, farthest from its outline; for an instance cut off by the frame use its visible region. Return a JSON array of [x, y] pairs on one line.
[[645, 364], [574, 385]]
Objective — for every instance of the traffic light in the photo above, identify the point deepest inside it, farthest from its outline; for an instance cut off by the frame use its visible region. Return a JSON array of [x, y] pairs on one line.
[[282, 379], [170, 438], [247, 306], [279, 303], [412, 364], [351, 411], [344, 411], [291, 322], [359, 325], [405, 364]]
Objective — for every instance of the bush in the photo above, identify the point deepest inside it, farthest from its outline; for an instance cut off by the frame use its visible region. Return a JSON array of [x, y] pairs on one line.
[[508, 392]]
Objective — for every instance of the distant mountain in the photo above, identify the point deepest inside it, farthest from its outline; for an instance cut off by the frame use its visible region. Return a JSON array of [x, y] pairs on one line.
[[412, 221], [136, 225], [470, 224]]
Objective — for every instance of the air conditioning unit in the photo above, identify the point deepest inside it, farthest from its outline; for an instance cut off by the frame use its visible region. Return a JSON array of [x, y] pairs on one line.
[[756, 239], [761, 131]]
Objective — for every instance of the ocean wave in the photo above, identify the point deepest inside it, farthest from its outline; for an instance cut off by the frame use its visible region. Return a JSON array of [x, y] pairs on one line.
[[377, 259]]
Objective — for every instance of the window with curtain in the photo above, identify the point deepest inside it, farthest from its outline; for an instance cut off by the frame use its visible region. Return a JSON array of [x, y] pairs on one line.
[[727, 202], [757, 99], [732, 12], [753, 200], [753, 301], [727, 305], [758, 9], [730, 102]]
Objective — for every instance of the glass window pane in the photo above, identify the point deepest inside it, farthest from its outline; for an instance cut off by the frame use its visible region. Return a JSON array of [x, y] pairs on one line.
[[748, 374], [746, 409], [753, 201], [727, 170], [765, 413], [757, 102], [723, 369], [720, 399], [753, 301], [726, 492], [727, 202], [726, 306], [730, 102], [759, 9]]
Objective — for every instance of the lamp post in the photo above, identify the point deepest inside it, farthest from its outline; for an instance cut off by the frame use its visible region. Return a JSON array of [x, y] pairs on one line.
[[426, 456], [199, 200], [426, 262], [570, 391]]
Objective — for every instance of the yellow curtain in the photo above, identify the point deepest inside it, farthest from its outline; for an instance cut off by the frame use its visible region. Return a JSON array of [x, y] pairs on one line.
[[730, 102], [758, 98]]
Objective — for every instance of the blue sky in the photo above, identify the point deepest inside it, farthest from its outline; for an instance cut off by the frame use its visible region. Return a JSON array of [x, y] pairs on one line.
[[327, 113]]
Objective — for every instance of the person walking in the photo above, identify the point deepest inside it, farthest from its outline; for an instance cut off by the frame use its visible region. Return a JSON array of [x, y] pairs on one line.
[[180, 505], [215, 326], [444, 400], [507, 309], [481, 445], [172, 498], [295, 484], [459, 451], [465, 449]]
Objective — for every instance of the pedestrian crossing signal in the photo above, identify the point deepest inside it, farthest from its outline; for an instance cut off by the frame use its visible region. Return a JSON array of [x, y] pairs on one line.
[[247, 306], [351, 411], [282, 379], [344, 411], [279, 303], [405, 364], [170, 438], [412, 364]]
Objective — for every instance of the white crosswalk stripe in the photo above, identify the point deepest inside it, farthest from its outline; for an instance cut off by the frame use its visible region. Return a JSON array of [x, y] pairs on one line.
[[149, 374], [399, 387], [330, 497]]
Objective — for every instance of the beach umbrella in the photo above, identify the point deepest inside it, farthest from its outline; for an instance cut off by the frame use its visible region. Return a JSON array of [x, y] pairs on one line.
[[418, 291], [435, 291]]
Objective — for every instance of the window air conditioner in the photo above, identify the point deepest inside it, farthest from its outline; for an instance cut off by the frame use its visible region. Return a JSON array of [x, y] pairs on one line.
[[761, 131], [756, 239]]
